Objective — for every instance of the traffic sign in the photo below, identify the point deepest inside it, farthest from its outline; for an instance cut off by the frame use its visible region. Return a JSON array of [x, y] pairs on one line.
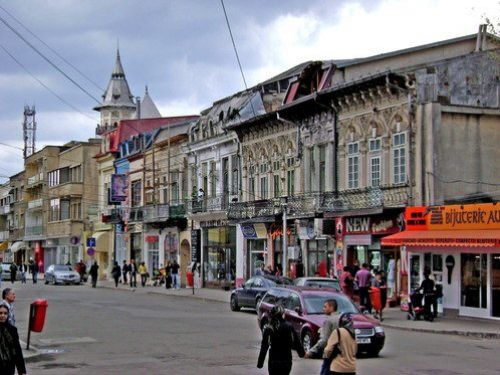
[[90, 251], [91, 242]]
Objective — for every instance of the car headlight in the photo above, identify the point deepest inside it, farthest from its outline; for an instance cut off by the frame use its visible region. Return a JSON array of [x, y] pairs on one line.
[[379, 330]]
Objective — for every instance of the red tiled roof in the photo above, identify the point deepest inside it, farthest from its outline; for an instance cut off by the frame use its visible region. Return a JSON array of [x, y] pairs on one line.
[[129, 128]]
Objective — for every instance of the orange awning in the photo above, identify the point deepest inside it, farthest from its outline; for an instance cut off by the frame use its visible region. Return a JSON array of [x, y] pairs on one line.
[[442, 238]]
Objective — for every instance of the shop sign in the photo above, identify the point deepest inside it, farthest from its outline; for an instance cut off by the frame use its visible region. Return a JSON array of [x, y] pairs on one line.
[[254, 230], [454, 217], [275, 231], [369, 225], [195, 245], [151, 239]]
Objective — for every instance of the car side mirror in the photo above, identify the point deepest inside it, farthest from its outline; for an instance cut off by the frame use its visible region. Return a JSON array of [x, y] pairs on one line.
[[298, 310]]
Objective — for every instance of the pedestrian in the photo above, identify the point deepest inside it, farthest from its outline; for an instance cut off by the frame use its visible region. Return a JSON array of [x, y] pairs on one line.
[[13, 272], [329, 325], [260, 270], [94, 273], [354, 268], [143, 271], [133, 273], [11, 354], [342, 347], [168, 275], [279, 337], [379, 282], [347, 283], [34, 272], [428, 286], [116, 272], [8, 297], [125, 271], [82, 270], [175, 275], [363, 278], [23, 268]]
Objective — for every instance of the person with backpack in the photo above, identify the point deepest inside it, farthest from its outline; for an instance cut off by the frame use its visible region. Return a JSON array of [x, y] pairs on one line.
[[279, 338], [342, 347]]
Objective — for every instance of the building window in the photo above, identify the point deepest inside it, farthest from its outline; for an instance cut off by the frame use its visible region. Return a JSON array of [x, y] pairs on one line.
[[136, 193], [311, 169], [64, 210], [375, 171], [374, 145], [175, 187], [64, 175], [263, 187], [251, 182], [204, 173], [53, 178], [290, 176], [276, 183], [75, 174], [399, 157], [213, 179], [322, 167], [353, 165], [76, 211], [54, 210], [234, 175]]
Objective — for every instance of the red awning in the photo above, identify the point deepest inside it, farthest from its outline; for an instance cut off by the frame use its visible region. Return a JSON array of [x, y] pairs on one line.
[[445, 238]]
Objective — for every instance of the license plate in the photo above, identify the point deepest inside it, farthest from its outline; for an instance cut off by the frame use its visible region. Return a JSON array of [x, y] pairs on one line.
[[362, 340]]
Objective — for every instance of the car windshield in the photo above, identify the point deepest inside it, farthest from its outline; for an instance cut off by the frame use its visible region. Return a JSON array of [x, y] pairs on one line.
[[314, 304], [62, 268], [323, 284], [274, 280]]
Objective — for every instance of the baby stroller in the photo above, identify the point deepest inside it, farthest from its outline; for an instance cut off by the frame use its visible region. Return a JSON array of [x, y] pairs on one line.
[[415, 307]]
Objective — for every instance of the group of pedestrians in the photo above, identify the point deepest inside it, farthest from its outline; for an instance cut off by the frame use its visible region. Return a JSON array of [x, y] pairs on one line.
[[21, 268], [364, 281], [11, 354], [337, 344]]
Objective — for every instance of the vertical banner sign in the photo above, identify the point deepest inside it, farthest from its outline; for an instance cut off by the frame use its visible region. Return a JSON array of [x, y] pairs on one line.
[[118, 188], [195, 245]]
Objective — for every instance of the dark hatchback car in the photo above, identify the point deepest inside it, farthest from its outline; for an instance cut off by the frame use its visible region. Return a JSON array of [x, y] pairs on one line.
[[304, 310], [250, 294]]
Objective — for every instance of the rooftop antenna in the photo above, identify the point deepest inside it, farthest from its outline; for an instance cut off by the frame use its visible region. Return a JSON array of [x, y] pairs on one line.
[[29, 131]]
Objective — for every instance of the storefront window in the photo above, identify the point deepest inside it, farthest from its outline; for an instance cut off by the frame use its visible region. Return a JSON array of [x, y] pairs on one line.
[[257, 253], [317, 258], [495, 284], [136, 249], [220, 255], [474, 274]]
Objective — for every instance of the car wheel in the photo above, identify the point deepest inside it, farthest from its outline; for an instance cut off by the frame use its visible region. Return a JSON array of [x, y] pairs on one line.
[[234, 304], [307, 340], [53, 281], [373, 352], [257, 301], [46, 281]]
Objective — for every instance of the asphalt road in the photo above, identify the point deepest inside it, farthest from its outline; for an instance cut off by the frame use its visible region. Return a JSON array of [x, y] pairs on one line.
[[103, 331]]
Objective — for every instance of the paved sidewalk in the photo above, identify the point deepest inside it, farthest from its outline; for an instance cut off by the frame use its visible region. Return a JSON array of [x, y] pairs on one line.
[[393, 317]]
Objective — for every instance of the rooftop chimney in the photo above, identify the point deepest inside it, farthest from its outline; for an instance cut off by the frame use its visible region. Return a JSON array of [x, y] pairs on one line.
[[481, 37], [138, 103]]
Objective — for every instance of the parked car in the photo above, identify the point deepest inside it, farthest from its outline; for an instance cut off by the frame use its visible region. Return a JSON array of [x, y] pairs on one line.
[[6, 271], [318, 282], [304, 310], [252, 291], [61, 273]]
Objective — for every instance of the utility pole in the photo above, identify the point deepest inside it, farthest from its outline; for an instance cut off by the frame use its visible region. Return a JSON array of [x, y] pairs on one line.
[[284, 205]]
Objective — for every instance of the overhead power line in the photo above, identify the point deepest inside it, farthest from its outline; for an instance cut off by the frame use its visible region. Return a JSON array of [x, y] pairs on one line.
[[44, 85], [51, 49], [48, 60]]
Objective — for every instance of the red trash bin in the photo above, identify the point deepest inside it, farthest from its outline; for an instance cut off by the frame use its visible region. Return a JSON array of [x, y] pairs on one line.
[[37, 318], [375, 298], [189, 279]]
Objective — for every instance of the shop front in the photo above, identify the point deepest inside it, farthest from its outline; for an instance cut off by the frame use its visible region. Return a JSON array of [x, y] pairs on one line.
[[275, 255], [318, 244], [460, 246], [361, 238], [219, 255], [255, 236]]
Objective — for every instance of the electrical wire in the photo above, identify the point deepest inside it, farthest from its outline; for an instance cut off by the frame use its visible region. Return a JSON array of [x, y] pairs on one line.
[[51, 49], [44, 85], [47, 59]]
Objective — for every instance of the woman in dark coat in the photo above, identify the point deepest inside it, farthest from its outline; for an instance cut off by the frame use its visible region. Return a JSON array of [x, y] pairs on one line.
[[280, 338], [116, 272], [11, 355], [93, 274]]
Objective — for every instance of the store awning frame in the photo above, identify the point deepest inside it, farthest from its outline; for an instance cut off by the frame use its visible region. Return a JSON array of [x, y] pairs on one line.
[[18, 245], [445, 238]]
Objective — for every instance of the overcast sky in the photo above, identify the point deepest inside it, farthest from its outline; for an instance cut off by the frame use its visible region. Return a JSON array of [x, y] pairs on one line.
[[182, 50]]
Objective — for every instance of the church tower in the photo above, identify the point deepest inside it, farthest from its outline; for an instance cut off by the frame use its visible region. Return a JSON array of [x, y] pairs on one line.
[[117, 101]]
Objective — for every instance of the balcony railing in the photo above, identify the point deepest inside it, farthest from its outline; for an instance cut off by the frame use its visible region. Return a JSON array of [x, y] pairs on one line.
[[135, 214], [4, 210], [156, 212], [310, 204], [384, 196], [208, 204], [35, 203], [34, 230], [177, 210], [33, 180]]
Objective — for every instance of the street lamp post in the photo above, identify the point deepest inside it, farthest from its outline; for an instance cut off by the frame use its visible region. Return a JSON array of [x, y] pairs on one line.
[[284, 242]]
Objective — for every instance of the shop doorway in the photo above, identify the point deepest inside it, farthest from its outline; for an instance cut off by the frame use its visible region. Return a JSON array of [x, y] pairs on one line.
[[495, 285], [185, 260]]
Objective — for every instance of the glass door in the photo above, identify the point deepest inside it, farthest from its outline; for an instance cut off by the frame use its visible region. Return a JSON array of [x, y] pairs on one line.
[[474, 280], [495, 285]]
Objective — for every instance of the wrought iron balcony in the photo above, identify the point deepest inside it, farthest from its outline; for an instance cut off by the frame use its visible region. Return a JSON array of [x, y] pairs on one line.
[[135, 214], [177, 210], [208, 204], [155, 212], [383, 196]]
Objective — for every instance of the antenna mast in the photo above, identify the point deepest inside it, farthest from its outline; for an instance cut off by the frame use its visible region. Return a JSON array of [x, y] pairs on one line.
[[29, 131]]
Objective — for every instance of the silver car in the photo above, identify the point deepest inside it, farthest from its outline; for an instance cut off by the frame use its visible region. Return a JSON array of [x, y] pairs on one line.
[[61, 274]]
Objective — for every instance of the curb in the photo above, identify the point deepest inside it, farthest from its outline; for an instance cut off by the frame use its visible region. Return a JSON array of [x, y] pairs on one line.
[[205, 299], [478, 335]]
